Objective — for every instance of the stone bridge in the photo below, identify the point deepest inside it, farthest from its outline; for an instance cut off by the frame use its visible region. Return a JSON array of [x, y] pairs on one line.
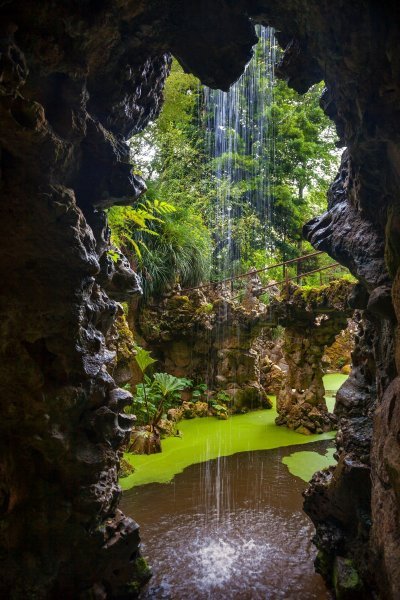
[[215, 338]]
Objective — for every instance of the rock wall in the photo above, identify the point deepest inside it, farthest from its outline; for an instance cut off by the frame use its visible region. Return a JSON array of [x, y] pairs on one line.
[[76, 79], [209, 338], [224, 343]]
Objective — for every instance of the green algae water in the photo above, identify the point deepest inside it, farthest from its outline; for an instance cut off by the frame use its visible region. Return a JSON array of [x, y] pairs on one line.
[[305, 463], [208, 438], [332, 382]]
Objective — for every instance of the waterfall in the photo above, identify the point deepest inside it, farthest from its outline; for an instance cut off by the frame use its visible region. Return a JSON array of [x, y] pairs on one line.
[[239, 139], [240, 143]]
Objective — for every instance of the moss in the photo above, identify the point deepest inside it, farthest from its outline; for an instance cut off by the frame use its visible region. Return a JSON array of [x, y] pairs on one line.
[[334, 293], [125, 342], [323, 564], [206, 309], [179, 302]]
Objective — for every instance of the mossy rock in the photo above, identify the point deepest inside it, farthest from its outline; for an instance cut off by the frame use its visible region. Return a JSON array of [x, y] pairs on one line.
[[125, 468], [303, 430], [141, 574], [324, 564], [126, 343], [179, 302], [167, 428], [346, 580], [249, 397]]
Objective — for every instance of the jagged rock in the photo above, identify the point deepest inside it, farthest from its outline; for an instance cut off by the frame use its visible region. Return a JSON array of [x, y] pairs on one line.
[[386, 485], [272, 377]]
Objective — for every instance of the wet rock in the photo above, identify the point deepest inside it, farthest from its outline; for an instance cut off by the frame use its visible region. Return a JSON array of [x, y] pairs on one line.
[[386, 485], [272, 377], [346, 580], [145, 441]]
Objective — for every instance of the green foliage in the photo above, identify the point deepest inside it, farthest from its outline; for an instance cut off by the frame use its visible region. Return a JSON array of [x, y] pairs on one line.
[[306, 161], [198, 391], [130, 224], [155, 396], [113, 254], [168, 385], [277, 333], [220, 404], [180, 253], [166, 235], [206, 308]]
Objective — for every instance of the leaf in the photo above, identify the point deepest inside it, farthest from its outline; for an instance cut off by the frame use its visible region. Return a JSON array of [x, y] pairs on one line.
[[134, 244], [168, 383], [150, 231], [113, 255], [144, 359]]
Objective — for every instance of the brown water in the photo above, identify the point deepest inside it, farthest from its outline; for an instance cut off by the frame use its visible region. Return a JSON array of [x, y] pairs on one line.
[[229, 529]]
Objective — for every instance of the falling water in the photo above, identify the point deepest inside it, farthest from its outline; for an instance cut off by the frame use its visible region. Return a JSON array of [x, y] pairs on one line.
[[240, 141]]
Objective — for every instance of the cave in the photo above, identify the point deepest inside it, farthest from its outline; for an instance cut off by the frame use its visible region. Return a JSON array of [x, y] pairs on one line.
[[77, 80]]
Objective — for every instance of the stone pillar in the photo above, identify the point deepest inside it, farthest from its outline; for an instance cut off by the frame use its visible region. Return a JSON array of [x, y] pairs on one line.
[[312, 319], [300, 403]]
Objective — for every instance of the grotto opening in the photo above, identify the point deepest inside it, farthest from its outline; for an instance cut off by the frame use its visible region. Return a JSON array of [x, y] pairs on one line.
[[77, 80]]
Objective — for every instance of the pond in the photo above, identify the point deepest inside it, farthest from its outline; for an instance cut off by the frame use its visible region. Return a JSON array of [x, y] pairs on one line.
[[229, 524]]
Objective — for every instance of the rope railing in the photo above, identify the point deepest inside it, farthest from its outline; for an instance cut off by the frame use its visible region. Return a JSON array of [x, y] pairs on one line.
[[283, 281], [255, 271], [302, 275]]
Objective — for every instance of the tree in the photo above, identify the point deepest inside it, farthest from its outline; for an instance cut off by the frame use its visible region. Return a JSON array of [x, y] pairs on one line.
[[305, 162], [274, 178]]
